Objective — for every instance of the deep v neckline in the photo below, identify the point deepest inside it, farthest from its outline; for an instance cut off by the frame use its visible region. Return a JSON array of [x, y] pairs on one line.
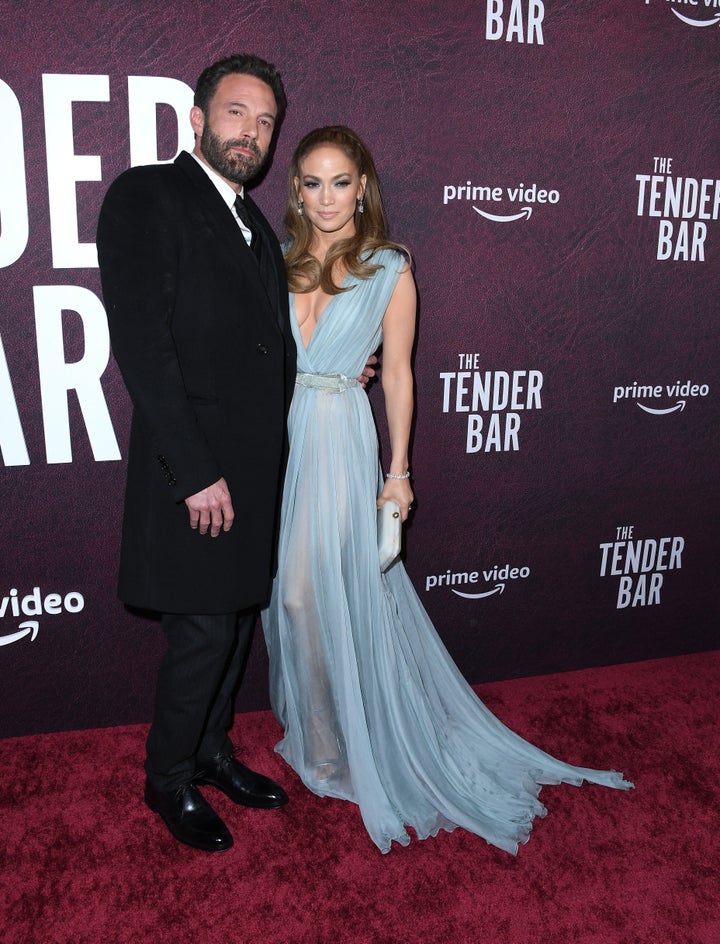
[[319, 318]]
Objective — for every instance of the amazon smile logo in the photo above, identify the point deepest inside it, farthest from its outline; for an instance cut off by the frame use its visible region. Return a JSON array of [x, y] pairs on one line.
[[468, 585], [678, 393], [526, 212], [28, 628], [34, 604], [706, 12], [491, 202]]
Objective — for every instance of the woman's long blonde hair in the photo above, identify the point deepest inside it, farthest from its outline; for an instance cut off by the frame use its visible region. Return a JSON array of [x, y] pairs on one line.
[[355, 253]]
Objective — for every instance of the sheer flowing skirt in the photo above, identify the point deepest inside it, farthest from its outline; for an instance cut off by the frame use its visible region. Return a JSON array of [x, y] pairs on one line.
[[373, 708]]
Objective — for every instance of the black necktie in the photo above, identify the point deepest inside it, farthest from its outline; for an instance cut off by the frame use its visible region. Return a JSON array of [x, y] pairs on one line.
[[244, 216]]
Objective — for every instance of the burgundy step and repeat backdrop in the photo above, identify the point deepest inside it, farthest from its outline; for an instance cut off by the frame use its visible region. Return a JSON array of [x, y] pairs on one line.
[[555, 168]]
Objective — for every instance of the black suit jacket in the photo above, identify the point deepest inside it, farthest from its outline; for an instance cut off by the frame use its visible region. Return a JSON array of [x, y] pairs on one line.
[[202, 337]]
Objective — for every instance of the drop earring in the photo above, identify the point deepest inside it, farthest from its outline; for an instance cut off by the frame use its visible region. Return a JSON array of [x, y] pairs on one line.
[[300, 205], [361, 205]]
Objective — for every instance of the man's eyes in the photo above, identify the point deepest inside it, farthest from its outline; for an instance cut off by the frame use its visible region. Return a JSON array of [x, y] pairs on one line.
[[239, 112]]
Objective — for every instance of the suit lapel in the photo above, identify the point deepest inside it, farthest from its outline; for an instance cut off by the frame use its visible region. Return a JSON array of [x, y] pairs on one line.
[[268, 261], [231, 241]]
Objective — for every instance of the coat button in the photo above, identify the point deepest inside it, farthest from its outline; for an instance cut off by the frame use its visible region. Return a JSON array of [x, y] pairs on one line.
[[262, 349]]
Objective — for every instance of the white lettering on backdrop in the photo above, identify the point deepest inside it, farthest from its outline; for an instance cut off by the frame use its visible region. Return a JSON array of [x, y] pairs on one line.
[[65, 170]]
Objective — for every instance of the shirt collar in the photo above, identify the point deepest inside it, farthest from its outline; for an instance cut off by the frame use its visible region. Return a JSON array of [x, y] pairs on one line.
[[222, 186]]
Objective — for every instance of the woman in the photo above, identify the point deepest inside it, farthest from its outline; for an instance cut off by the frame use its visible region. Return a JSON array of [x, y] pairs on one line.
[[372, 706]]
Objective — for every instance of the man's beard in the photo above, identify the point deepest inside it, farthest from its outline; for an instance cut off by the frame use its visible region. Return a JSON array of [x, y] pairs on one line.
[[236, 167]]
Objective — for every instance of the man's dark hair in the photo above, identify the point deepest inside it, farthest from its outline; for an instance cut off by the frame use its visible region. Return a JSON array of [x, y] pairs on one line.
[[240, 64]]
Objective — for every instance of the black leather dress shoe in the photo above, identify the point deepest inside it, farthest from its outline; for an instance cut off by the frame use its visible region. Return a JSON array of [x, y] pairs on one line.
[[189, 817], [240, 783]]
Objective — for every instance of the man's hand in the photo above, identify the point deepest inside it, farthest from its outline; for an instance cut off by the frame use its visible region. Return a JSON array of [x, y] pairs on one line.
[[368, 373], [211, 508]]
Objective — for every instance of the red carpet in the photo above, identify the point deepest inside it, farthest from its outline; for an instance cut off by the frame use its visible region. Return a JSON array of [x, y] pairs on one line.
[[84, 861]]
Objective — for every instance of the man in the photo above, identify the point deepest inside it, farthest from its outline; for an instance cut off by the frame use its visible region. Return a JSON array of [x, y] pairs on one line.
[[196, 299]]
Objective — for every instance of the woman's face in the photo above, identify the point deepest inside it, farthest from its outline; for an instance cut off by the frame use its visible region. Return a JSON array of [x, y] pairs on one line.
[[330, 186]]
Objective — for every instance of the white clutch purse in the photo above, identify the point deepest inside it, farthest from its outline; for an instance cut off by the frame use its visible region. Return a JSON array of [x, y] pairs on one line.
[[389, 534]]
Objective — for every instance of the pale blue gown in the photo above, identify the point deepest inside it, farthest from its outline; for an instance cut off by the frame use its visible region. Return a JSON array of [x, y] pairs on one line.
[[373, 708]]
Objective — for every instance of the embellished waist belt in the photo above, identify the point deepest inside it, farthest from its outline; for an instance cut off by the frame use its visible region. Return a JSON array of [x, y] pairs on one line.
[[335, 383]]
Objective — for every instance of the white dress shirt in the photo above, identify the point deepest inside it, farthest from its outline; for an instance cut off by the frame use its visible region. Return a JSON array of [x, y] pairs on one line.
[[228, 195]]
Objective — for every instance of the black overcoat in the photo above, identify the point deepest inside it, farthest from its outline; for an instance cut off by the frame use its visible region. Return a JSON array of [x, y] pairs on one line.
[[202, 337]]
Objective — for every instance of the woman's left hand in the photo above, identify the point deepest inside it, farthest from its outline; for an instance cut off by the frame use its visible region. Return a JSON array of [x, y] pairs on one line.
[[397, 490]]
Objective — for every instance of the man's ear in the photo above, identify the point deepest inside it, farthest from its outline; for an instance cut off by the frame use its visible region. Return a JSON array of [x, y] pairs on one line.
[[197, 120]]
